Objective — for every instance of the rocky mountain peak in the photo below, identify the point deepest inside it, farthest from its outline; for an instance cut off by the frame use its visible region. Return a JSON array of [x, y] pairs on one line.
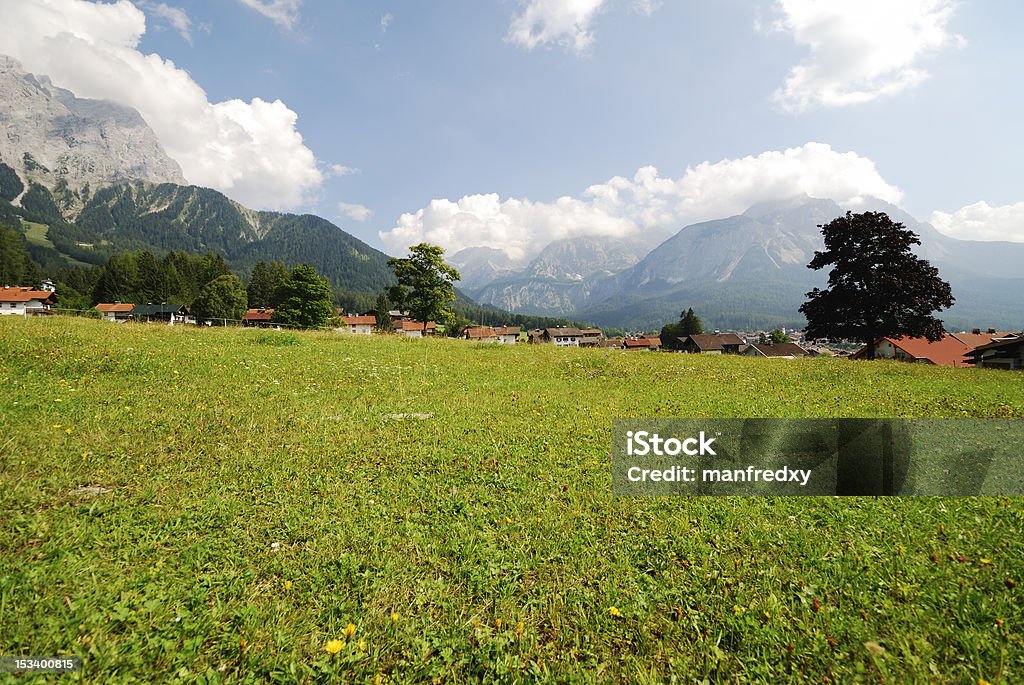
[[58, 140]]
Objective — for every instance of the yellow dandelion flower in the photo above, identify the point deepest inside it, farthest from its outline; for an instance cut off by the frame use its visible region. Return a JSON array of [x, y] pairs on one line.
[[985, 561], [498, 623], [982, 681], [508, 520], [361, 646], [736, 608], [350, 630], [394, 617], [519, 628], [378, 679], [767, 614], [614, 612], [334, 646], [56, 425], [287, 585]]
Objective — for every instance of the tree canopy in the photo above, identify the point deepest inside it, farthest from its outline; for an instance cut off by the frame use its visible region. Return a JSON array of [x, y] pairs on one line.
[[426, 284], [877, 286], [263, 283], [221, 298], [689, 324], [304, 299]]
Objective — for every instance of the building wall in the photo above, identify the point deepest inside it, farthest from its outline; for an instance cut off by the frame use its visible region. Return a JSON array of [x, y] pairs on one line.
[[12, 308]]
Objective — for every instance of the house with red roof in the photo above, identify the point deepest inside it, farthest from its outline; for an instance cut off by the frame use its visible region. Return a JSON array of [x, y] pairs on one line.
[[26, 301], [507, 335], [948, 351], [1006, 353], [480, 334], [414, 329], [118, 312], [360, 325], [651, 343], [258, 316], [788, 350]]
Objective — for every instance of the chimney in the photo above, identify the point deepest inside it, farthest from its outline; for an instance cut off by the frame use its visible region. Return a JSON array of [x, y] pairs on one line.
[[991, 330], [976, 331]]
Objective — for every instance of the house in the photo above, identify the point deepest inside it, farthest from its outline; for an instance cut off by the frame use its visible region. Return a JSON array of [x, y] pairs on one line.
[[1007, 354], [561, 336], [26, 301], [161, 312], [948, 351], [480, 334], [258, 316], [397, 317], [591, 337], [711, 343], [788, 350], [115, 311], [976, 338], [360, 325], [644, 343], [414, 329], [611, 344], [507, 335]]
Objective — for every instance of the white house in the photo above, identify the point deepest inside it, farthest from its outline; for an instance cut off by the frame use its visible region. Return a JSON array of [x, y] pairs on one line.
[[25, 301], [360, 325], [561, 336], [115, 311], [507, 335]]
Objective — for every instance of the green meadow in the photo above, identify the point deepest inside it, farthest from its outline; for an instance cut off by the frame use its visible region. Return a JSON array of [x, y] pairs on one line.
[[225, 505]]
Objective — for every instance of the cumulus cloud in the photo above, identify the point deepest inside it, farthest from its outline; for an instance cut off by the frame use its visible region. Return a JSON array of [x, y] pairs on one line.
[[285, 13], [982, 221], [251, 151], [355, 211], [629, 207], [341, 170], [860, 51], [559, 22]]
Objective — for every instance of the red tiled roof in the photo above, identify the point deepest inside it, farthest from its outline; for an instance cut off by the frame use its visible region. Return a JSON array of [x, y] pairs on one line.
[[979, 339], [478, 332], [359, 320], [590, 331], [415, 325], [642, 342], [259, 314], [507, 330], [115, 307], [9, 294], [945, 352]]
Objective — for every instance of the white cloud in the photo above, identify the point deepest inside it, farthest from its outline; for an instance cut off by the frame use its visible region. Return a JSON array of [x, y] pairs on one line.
[[355, 211], [981, 221], [630, 207], [646, 7], [285, 13], [249, 150], [860, 51], [559, 22], [341, 170], [175, 16], [385, 22]]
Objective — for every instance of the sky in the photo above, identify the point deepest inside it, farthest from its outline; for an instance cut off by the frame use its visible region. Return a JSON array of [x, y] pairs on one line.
[[510, 123]]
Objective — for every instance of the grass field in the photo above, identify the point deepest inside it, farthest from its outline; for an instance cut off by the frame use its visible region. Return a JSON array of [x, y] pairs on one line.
[[182, 505]]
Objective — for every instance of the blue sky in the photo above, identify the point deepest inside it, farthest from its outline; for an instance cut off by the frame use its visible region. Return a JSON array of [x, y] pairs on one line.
[[472, 119]]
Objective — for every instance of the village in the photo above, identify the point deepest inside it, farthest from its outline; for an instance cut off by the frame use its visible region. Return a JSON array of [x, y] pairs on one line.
[[988, 348]]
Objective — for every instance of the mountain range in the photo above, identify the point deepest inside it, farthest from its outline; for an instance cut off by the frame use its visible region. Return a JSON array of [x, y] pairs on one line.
[[744, 271], [87, 178]]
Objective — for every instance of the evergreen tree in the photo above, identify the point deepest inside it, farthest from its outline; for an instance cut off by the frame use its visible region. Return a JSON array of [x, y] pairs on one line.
[[384, 324], [16, 265], [263, 283], [304, 299], [689, 324]]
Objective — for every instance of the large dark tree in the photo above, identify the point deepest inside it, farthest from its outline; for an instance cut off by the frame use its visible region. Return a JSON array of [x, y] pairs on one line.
[[222, 298], [689, 324], [426, 284], [877, 286], [304, 299]]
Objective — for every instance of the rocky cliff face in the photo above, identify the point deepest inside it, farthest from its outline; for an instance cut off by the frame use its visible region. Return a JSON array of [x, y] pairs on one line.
[[60, 141]]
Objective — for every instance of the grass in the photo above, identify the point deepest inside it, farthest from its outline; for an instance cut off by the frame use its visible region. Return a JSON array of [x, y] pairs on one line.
[[185, 505], [37, 234]]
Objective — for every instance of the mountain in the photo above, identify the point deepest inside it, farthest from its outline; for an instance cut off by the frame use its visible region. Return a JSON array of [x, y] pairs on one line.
[[168, 217], [481, 265], [67, 143], [565, 276], [749, 271]]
